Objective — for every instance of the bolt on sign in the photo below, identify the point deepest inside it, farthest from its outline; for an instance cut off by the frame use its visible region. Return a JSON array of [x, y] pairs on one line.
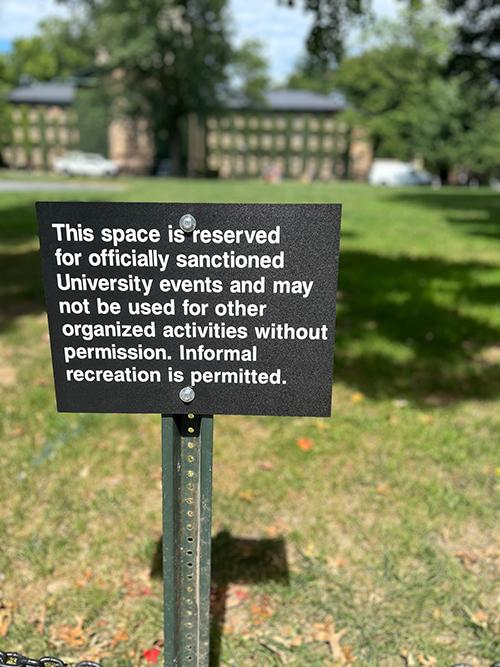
[[190, 310]]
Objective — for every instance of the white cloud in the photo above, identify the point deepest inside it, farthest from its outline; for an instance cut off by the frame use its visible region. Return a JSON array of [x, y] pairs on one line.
[[282, 30], [19, 18]]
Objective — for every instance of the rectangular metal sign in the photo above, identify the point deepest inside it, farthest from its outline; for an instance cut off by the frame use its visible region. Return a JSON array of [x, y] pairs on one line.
[[204, 308]]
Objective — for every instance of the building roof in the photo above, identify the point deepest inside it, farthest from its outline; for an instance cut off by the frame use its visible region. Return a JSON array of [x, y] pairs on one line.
[[304, 100], [51, 92], [296, 100], [63, 94]]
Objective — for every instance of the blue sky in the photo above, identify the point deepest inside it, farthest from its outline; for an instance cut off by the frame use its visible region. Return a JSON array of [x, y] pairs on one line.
[[281, 30]]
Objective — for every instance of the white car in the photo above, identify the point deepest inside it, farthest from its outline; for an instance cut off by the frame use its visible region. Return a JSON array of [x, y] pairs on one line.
[[85, 164], [395, 172]]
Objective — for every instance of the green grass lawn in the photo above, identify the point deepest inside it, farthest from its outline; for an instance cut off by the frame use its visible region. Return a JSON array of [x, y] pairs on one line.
[[370, 537]]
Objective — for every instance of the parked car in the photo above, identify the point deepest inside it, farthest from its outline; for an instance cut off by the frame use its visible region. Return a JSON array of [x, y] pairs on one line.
[[76, 163], [395, 172]]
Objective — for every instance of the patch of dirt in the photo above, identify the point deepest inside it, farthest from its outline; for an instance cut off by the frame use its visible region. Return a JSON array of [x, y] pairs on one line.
[[8, 373], [478, 551], [490, 356]]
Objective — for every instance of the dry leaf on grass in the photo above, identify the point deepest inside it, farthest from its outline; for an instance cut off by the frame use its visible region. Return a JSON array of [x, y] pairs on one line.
[[305, 444], [326, 632], [247, 495], [120, 636], [261, 610], [479, 618], [69, 635], [85, 578], [408, 657], [357, 397], [5, 618], [151, 655]]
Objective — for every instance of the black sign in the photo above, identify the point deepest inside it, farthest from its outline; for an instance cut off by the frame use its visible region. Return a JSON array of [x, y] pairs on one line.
[[203, 308]]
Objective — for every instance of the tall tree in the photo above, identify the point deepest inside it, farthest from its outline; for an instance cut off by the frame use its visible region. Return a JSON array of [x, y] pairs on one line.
[[249, 72], [161, 59], [58, 50], [332, 19], [400, 89], [477, 44]]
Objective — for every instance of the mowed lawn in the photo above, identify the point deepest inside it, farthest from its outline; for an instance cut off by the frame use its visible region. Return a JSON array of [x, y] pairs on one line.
[[370, 538]]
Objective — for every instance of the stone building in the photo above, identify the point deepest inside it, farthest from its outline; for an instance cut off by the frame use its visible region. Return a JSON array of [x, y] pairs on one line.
[[48, 119], [299, 133]]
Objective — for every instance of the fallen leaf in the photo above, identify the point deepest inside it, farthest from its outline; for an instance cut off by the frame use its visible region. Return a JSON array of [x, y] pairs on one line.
[[120, 636], [326, 632], [305, 444], [151, 655], [408, 657], [426, 660], [70, 635], [310, 550], [241, 594], [334, 564], [357, 397], [321, 424], [247, 495], [261, 610], [5, 618], [479, 618], [85, 578], [382, 489], [426, 419]]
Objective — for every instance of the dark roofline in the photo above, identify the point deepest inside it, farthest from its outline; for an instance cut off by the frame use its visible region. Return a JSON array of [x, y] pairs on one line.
[[44, 93], [286, 100]]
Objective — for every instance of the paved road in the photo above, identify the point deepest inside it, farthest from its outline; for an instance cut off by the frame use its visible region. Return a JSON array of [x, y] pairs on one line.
[[35, 186]]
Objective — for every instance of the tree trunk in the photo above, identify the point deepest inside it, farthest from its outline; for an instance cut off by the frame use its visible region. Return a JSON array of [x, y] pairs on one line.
[[444, 174], [176, 152]]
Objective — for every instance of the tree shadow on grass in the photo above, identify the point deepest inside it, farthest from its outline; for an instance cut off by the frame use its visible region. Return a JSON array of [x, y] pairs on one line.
[[402, 330], [476, 211], [236, 560]]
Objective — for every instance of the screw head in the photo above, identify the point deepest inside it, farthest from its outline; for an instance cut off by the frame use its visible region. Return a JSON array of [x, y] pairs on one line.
[[187, 223], [187, 394]]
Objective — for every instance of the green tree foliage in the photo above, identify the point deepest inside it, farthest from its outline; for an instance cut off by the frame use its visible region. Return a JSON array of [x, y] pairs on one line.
[[400, 89], [476, 48], [309, 75], [477, 44], [249, 72], [332, 18], [161, 59], [56, 51]]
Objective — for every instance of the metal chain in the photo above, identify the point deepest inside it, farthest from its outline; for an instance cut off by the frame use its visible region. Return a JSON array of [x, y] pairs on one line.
[[10, 659]]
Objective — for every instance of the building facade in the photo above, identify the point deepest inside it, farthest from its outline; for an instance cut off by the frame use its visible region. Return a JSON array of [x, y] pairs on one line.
[[298, 133], [49, 119], [294, 134]]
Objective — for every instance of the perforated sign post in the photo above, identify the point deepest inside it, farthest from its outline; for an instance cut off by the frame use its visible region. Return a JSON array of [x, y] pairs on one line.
[[189, 310]]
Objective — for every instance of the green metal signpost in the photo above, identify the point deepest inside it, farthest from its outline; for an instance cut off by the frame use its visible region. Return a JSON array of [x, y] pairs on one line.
[[187, 507]]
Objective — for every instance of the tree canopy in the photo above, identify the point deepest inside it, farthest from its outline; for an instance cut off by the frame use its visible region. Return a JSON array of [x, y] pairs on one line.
[[476, 47], [402, 91], [56, 51]]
